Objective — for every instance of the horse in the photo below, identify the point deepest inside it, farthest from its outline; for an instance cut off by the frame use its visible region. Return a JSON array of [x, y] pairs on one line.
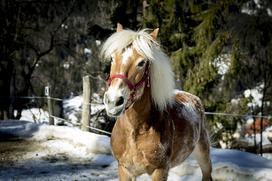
[[157, 127]]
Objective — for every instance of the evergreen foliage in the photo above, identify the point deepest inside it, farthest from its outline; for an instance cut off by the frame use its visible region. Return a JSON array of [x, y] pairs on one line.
[[198, 35]]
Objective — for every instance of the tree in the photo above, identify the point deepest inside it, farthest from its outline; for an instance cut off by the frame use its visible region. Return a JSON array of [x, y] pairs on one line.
[[200, 34], [253, 32], [27, 39], [44, 42]]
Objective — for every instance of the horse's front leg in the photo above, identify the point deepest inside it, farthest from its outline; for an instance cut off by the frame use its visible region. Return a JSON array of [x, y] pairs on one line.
[[160, 174], [124, 174]]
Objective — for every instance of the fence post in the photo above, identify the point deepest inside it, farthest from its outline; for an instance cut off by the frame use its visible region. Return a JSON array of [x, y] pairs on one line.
[[49, 105], [85, 117]]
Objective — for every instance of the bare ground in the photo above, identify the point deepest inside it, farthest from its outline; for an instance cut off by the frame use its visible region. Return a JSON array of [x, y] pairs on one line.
[[31, 160]]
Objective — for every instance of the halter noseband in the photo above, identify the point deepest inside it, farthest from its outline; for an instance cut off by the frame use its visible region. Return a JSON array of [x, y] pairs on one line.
[[132, 87]]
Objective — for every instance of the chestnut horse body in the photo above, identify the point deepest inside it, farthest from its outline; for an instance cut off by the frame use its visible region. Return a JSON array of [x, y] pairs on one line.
[[157, 127]]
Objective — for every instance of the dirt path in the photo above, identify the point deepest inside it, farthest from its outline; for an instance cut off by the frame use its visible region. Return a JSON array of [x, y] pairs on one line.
[[13, 151], [32, 160]]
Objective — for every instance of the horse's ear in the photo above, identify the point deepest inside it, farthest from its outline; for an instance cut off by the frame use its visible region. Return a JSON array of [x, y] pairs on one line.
[[119, 27], [154, 33]]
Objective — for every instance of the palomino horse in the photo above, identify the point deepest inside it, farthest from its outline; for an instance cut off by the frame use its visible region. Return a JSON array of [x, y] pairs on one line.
[[157, 127]]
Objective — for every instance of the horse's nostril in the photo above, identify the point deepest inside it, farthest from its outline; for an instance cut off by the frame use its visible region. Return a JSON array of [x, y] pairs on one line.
[[120, 101]]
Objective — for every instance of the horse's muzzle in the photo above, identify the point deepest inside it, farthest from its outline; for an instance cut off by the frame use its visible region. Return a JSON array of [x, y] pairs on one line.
[[114, 105]]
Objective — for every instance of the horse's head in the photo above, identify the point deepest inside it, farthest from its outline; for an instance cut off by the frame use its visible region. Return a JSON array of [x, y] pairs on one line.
[[129, 75]]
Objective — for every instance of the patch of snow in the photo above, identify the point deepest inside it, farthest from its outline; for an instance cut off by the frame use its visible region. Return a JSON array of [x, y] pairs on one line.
[[36, 115], [247, 8], [73, 103], [249, 121], [235, 101], [222, 63], [246, 138], [256, 95], [66, 65], [248, 11], [227, 165], [64, 26], [269, 11], [87, 51], [266, 134], [258, 3], [92, 142], [73, 106], [98, 42]]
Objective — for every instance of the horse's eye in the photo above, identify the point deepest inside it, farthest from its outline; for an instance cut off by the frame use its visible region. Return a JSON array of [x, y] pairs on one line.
[[141, 64]]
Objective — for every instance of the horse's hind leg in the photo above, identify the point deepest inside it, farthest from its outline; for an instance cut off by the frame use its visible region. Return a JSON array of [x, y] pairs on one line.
[[202, 154]]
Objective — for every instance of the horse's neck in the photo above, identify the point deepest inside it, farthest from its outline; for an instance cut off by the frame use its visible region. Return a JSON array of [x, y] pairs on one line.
[[138, 116]]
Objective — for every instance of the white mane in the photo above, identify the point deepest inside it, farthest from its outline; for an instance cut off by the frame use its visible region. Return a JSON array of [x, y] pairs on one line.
[[161, 74]]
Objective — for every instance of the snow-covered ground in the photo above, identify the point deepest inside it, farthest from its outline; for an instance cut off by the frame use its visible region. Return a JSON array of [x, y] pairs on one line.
[[30, 151]]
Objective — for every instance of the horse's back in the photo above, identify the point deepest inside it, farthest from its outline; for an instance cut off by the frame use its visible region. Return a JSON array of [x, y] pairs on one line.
[[187, 115], [188, 106], [188, 112]]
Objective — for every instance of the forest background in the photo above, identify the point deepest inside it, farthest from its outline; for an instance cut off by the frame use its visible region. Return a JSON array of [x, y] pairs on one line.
[[220, 50]]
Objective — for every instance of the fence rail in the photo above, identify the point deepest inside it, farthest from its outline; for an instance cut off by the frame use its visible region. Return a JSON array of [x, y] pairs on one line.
[[237, 115], [108, 133], [206, 113]]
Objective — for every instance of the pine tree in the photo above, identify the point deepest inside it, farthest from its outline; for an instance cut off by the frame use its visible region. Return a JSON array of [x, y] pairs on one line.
[[197, 34]]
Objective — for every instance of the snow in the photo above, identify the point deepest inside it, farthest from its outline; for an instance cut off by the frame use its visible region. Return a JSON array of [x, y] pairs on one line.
[[87, 51], [269, 11], [74, 103], [256, 95], [222, 63], [36, 115], [65, 153], [98, 42], [32, 150], [73, 106], [43, 152], [64, 26], [253, 9], [266, 134]]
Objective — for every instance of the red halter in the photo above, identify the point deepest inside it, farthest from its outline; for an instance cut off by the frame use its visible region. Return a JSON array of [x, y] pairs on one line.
[[131, 86]]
